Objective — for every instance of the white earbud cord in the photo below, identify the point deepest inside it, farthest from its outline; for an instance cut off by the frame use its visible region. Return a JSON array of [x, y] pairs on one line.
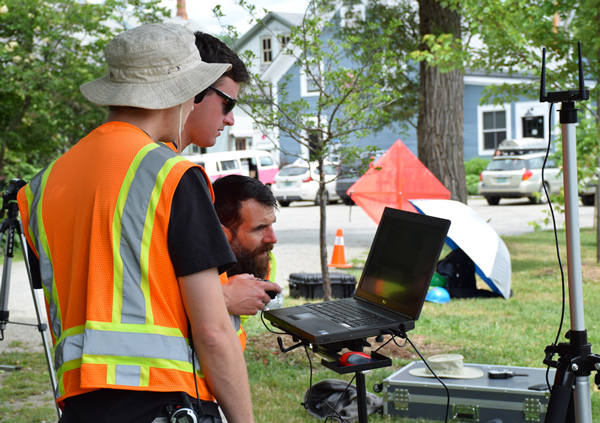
[[180, 121]]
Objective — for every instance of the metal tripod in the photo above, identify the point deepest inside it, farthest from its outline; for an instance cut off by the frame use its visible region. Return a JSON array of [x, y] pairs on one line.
[[10, 226], [570, 397]]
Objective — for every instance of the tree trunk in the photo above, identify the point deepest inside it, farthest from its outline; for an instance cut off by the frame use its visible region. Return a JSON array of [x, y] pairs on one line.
[[440, 123], [323, 232]]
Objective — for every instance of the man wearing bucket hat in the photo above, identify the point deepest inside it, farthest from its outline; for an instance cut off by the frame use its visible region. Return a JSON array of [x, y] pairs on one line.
[[129, 296]]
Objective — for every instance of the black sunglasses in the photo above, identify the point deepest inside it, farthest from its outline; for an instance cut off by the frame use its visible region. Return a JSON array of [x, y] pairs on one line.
[[231, 102]]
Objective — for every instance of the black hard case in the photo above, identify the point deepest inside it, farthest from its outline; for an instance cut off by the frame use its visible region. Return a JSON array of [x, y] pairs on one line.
[[310, 285], [471, 400]]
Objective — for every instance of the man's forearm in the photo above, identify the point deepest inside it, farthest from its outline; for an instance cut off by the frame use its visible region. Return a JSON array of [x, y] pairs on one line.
[[225, 372], [217, 345]]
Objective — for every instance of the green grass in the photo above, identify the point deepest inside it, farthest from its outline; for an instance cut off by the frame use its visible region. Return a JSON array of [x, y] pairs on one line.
[[25, 395], [487, 331]]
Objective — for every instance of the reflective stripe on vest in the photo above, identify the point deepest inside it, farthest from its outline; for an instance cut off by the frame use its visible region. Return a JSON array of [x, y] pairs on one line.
[[131, 345], [33, 192], [272, 267]]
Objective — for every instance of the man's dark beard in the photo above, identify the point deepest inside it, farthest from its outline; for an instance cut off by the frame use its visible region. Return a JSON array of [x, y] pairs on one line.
[[249, 261]]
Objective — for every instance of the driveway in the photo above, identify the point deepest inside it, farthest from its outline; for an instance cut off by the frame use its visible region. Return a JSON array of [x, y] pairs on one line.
[[297, 229]]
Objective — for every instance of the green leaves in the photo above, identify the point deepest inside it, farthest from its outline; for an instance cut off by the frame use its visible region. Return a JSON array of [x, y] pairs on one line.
[[346, 99], [49, 49]]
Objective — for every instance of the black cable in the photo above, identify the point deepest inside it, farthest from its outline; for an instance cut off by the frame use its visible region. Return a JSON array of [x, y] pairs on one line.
[[305, 404], [405, 336], [334, 409], [390, 340], [562, 273], [269, 329], [199, 410]]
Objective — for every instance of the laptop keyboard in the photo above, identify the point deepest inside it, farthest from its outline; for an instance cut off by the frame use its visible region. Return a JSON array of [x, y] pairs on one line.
[[348, 314]]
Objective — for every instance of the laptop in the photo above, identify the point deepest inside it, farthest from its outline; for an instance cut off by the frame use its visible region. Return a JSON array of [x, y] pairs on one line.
[[392, 287]]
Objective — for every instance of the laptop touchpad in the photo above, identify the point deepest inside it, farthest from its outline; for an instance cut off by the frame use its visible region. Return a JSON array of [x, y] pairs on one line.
[[302, 316]]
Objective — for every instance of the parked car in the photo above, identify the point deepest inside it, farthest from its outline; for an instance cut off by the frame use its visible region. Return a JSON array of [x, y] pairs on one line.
[[588, 192], [299, 182], [257, 164], [519, 175], [349, 174]]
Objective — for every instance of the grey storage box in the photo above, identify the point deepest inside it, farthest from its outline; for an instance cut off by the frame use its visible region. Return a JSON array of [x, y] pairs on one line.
[[310, 285], [471, 400]]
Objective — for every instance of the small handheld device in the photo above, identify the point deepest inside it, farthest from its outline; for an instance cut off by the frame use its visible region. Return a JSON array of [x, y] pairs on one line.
[[182, 413], [503, 374], [271, 294]]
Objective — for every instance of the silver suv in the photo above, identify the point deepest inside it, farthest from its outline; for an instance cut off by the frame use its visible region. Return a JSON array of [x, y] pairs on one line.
[[517, 173]]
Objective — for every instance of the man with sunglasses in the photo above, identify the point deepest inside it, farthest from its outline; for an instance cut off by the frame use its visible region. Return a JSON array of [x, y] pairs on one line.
[[213, 107]]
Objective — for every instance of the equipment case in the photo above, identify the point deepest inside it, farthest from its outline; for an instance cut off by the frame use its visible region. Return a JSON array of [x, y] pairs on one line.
[[471, 400], [310, 285]]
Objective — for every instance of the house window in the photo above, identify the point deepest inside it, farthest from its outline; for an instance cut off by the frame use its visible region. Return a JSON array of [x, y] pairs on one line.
[[240, 143], [494, 129], [352, 15], [284, 39], [266, 50], [313, 81], [194, 149], [533, 126]]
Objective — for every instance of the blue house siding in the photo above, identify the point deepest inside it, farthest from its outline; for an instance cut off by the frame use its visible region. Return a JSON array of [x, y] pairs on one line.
[[475, 83], [470, 131]]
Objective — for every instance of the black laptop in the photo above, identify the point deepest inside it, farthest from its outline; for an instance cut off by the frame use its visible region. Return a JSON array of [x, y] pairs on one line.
[[391, 290]]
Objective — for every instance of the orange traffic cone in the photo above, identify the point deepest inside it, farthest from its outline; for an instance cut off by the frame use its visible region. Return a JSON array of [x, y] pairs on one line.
[[338, 259]]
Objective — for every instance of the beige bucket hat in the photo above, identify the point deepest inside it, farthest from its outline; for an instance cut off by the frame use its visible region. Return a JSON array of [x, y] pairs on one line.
[[447, 366], [155, 66]]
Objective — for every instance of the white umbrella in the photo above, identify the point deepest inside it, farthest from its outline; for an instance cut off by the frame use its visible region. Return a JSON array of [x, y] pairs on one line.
[[472, 234]]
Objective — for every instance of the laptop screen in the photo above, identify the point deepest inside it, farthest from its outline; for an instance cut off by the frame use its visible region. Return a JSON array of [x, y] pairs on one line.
[[402, 260]]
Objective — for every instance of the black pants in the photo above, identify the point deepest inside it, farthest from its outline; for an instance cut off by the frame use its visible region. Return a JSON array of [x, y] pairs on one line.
[[118, 406]]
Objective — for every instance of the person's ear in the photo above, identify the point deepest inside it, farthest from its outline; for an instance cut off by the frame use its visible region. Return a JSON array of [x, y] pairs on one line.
[[228, 233]]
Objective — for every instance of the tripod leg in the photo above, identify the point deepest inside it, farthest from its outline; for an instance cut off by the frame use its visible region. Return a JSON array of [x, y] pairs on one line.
[[582, 402], [5, 288], [41, 325], [561, 397]]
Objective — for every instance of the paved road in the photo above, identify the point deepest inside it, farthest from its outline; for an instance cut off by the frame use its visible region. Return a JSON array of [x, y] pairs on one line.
[[297, 229]]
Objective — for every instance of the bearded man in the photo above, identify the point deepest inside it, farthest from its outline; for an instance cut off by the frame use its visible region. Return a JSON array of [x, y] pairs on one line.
[[246, 209]]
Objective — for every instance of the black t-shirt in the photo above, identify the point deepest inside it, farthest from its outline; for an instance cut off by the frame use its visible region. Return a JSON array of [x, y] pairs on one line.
[[196, 239]]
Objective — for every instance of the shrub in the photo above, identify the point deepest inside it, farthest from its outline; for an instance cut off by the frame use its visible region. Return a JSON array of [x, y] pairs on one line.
[[472, 170], [472, 181], [475, 166]]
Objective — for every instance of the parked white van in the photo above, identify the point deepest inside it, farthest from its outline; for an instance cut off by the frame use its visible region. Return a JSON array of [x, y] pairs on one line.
[[257, 164]]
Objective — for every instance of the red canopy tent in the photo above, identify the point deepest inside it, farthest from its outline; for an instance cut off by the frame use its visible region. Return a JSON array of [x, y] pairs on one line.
[[398, 176]]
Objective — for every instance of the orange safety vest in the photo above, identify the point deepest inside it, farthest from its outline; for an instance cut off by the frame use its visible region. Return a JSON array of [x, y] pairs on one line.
[[239, 320], [97, 219]]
